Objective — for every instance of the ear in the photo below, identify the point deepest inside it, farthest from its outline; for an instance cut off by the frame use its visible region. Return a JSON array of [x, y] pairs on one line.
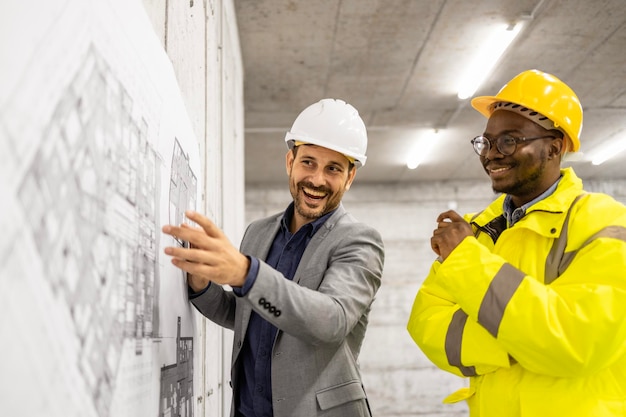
[[351, 175], [557, 147], [289, 161]]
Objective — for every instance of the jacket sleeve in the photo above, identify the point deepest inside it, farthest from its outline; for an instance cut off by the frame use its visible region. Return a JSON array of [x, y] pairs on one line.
[[334, 291], [445, 333], [218, 305], [572, 327]]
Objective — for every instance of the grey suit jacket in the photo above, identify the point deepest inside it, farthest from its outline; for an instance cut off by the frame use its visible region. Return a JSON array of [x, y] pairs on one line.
[[321, 315]]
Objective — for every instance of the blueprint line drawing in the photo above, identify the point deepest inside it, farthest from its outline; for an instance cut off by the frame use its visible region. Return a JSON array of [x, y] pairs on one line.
[[177, 382], [90, 201], [183, 187], [99, 318]]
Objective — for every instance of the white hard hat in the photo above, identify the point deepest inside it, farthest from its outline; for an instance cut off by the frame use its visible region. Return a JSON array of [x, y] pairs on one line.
[[333, 124]]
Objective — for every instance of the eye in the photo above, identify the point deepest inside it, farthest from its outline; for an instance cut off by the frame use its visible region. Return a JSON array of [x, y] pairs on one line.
[[481, 143], [508, 140]]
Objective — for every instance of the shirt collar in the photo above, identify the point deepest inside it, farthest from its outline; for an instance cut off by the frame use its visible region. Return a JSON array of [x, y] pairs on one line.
[[513, 214], [311, 227]]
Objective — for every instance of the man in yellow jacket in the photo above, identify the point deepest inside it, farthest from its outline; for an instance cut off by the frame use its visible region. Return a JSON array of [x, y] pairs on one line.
[[528, 297]]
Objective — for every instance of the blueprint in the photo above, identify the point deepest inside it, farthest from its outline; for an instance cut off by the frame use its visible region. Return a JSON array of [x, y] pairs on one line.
[[96, 154]]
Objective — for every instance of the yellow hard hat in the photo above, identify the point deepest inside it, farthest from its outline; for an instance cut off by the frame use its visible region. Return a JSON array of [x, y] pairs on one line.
[[542, 98]]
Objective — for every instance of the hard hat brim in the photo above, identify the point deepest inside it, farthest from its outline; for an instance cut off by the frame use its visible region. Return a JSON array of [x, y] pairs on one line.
[[356, 159], [483, 104]]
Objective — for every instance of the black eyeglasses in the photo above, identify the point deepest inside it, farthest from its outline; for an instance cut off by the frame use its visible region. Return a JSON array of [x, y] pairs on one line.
[[506, 144]]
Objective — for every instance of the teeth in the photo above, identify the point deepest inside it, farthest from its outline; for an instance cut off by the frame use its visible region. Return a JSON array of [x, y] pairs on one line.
[[498, 169], [314, 193]]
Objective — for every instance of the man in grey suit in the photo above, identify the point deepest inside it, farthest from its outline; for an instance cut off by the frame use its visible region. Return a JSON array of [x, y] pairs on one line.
[[302, 282]]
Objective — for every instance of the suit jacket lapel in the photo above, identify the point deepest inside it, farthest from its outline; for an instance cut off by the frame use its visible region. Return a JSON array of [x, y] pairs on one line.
[[317, 240]]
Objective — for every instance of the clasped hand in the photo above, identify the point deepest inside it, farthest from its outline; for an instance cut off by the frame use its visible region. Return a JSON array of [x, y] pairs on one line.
[[451, 230], [210, 256]]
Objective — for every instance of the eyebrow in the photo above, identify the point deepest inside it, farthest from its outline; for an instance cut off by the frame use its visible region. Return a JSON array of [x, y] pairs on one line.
[[331, 162], [506, 132]]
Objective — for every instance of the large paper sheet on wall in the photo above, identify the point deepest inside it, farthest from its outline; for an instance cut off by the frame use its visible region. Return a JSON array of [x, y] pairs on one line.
[[96, 154]]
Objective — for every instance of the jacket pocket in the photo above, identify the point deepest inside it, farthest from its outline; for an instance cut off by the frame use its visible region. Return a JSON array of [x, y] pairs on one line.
[[340, 394]]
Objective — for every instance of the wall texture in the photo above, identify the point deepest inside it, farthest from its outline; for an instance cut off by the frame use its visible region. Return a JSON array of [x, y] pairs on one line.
[[400, 381], [201, 39]]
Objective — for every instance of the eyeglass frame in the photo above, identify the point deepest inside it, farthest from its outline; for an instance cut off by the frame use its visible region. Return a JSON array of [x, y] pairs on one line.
[[497, 140]]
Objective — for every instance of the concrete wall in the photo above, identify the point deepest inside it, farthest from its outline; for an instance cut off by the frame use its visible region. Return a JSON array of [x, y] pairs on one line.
[[400, 381], [201, 39]]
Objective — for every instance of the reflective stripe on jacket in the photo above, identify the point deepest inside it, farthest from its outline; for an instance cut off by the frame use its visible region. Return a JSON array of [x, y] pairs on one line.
[[535, 314]]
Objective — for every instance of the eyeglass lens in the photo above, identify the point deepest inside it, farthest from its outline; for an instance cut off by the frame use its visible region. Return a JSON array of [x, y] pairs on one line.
[[505, 144]]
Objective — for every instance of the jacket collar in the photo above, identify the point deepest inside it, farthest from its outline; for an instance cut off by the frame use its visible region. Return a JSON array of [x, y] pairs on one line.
[[569, 187]]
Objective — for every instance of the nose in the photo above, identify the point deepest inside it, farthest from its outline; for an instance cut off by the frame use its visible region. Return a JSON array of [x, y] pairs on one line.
[[317, 177], [493, 152]]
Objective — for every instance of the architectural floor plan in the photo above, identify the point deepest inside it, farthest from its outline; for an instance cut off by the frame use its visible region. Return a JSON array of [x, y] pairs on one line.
[[97, 154]]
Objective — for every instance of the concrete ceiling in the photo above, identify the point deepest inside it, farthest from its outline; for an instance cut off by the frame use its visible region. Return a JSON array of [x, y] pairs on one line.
[[398, 62]]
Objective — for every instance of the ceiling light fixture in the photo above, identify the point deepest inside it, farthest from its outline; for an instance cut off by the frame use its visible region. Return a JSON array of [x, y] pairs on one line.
[[612, 148], [490, 53], [422, 149]]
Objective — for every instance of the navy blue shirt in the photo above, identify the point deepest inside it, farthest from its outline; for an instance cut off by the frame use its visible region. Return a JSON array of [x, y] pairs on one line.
[[255, 390]]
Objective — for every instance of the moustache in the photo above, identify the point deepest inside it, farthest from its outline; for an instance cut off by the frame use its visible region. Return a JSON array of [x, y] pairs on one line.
[[321, 188], [306, 184]]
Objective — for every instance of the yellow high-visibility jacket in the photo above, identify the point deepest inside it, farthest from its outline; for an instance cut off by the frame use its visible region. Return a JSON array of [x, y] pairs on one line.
[[534, 314]]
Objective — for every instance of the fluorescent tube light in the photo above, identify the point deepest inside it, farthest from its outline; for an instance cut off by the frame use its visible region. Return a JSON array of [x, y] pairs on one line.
[[605, 153], [488, 56], [422, 149]]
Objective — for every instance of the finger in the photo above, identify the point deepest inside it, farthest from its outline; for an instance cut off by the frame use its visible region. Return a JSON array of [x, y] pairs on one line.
[[450, 216], [438, 230], [188, 226], [195, 236], [442, 216], [175, 231], [443, 224], [193, 268], [189, 255], [434, 246], [209, 227]]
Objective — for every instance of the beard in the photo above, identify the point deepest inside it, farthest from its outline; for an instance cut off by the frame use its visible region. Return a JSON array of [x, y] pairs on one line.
[[526, 185], [312, 212]]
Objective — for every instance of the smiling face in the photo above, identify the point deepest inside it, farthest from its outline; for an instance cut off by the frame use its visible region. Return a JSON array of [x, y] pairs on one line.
[[318, 178], [533, 167]]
